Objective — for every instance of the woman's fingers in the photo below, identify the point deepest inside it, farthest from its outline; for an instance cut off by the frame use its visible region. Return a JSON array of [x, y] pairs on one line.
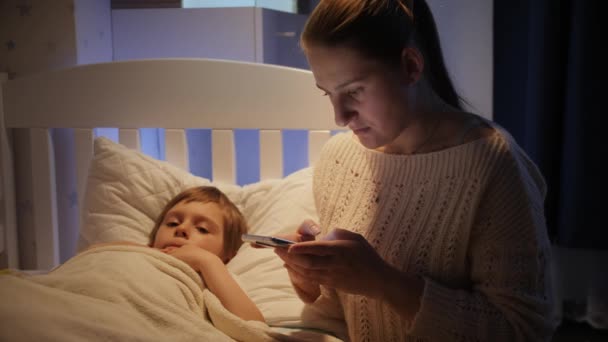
[[318, 248], [336, 242], [307, 231], [330, 248], [307, 272], [306, 276], [342, 260], [307, 290], [343, 234], [305, 261], [309, 228]]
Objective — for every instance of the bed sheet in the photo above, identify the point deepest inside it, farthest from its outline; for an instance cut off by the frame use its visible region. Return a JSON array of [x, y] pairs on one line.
[[127, 189]]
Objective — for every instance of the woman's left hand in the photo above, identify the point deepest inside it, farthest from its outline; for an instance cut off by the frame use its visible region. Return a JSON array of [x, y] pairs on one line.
[[342, 260]]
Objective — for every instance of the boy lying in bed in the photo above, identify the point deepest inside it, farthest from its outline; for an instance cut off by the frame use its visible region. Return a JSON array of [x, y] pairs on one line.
[[202, 227], [123, 291]]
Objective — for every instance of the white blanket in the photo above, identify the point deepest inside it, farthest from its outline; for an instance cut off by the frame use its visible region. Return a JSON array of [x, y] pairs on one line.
[[118, 293]]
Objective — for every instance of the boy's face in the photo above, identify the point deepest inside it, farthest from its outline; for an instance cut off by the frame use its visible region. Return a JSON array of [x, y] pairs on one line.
[[194, 223]]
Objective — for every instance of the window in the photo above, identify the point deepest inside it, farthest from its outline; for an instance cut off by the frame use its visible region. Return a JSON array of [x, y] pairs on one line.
[[291, 6], [283, 5]]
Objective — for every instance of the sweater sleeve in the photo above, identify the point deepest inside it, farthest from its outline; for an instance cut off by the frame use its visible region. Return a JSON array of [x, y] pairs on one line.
[[510, 297]]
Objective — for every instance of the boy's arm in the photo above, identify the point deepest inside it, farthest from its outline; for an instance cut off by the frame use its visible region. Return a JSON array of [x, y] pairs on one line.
[[221, 283], [218, 280]]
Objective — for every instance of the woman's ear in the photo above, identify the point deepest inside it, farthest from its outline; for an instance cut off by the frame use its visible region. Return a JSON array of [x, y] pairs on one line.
[[412, 64]]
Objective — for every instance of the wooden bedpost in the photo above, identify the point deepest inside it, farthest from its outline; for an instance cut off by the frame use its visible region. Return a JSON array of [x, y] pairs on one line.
[[9, 253]]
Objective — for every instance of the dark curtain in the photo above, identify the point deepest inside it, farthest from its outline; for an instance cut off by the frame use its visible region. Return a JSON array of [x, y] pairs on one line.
[[549, 61]]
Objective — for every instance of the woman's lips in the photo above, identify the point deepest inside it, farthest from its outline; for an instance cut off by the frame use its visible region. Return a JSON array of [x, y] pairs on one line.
[[359, 131]]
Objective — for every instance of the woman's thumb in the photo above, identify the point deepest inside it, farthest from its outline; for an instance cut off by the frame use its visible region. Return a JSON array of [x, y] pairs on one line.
[[309, 227]]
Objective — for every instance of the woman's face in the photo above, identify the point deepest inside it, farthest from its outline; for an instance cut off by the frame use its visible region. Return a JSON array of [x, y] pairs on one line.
[[368, 97]]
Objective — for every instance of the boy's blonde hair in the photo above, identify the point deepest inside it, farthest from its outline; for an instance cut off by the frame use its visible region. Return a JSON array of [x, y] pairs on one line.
[[234, 222]]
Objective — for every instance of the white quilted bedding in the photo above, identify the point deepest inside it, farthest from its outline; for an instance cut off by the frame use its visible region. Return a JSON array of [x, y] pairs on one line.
[[126, 190]]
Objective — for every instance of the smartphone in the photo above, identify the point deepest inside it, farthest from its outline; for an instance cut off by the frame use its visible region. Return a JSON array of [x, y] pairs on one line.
[[267, 241]]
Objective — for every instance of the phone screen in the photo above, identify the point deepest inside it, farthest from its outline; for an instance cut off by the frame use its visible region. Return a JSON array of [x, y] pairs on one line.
[[267, 241]]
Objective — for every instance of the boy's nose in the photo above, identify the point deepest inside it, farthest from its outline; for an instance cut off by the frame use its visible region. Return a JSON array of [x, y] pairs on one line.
[[181, 231]]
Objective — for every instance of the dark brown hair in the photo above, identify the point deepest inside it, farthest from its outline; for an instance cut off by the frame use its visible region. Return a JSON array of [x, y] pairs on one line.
[[380, 29], [234, 224]]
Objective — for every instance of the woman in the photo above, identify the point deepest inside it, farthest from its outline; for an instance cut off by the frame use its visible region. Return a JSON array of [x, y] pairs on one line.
[[433, 217]]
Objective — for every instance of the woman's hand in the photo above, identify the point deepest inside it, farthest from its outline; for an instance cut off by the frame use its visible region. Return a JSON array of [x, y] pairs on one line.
[[342, 260], [307, 231], [307, 291]]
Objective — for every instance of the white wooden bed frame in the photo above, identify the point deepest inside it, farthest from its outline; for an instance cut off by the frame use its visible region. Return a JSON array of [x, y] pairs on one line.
[[174, 94]]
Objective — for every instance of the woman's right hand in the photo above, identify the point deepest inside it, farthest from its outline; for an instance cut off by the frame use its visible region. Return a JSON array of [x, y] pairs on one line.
[[307, 291], [307, 231]]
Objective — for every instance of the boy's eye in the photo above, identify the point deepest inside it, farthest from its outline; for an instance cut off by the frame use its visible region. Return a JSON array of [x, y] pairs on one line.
[[202, 230], [172, 224]]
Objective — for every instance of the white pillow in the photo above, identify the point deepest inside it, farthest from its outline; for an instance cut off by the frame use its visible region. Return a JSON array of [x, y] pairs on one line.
[[126, 190], [277, 211]]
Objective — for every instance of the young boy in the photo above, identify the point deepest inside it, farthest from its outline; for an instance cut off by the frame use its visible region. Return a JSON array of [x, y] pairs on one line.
[[114, 292], [203, 228]]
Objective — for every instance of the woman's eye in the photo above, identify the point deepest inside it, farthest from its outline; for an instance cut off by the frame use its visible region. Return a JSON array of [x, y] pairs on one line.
[[202, 230], [355, 92]]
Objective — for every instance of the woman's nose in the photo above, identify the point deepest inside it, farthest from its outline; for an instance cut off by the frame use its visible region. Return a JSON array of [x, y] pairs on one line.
[[342, 114]]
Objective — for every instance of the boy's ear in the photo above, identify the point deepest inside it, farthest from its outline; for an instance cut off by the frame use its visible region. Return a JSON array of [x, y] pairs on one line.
[[412, 65]]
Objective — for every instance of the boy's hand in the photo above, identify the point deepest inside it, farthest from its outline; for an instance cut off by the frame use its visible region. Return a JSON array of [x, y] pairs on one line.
[[191, 255]]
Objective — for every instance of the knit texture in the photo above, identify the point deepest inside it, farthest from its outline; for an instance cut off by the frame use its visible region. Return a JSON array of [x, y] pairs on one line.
[[468, 219]]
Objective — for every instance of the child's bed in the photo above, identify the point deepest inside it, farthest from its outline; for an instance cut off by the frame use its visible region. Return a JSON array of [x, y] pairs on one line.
[[118, 190]]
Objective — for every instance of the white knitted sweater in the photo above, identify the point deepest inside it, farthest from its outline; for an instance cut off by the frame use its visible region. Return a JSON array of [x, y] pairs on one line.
[[469, 219]]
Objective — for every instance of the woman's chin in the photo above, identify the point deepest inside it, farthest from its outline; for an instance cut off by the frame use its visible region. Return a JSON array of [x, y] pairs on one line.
[[368, 141]]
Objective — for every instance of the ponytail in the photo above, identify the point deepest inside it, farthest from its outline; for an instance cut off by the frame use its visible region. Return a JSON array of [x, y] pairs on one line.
[[427, 40]]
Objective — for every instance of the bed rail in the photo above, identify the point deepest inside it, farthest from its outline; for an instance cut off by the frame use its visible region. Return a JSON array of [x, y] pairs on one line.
[[8, 220], [44, 210], [175, 94]]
